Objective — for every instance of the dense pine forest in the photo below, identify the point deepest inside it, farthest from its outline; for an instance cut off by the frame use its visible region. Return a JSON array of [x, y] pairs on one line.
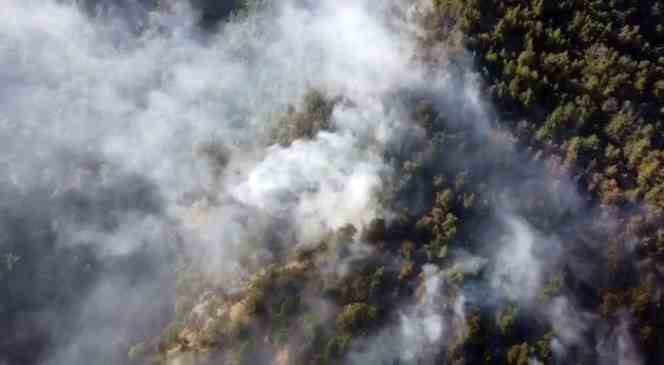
[[332, 182]]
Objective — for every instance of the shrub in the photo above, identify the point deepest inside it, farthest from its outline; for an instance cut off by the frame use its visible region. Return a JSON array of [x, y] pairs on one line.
[[356, 317]]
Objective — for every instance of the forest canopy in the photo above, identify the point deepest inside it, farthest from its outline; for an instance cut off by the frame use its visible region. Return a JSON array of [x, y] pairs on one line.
[[332, 182]]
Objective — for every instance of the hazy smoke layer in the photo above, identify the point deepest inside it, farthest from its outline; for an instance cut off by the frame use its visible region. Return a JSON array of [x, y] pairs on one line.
[[129, 132], [111, 115]]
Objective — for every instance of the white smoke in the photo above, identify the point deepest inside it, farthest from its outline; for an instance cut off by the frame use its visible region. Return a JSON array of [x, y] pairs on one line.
[[142, 100], [616, 345], [433, 322], [145, 102], [518, 273]]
